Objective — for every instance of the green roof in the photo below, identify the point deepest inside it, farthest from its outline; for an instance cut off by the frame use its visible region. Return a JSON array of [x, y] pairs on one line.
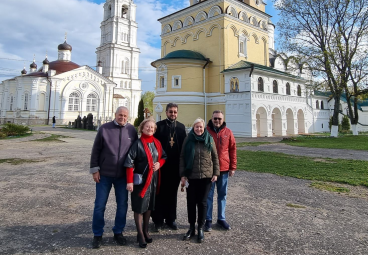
[[343, 98], [188, 54], [248, 65]]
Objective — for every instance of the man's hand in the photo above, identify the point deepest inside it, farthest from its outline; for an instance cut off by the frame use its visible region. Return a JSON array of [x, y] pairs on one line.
[[129, 187], [156, 166], [183, 180], [96, 177], [231, 173], [214, 178]]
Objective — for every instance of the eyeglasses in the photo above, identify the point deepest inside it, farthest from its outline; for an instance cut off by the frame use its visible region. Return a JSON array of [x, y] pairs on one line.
[[214, 118], [173, 112]]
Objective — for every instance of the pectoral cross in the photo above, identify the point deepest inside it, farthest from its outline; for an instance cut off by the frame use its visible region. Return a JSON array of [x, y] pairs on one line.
[[172, 142]]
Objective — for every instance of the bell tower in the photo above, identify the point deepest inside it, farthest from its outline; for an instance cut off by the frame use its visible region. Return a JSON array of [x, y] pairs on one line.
[[119, 54]]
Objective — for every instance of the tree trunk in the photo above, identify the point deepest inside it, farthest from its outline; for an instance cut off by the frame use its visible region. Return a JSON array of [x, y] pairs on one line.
[[354, 129], [335, 117], [334, 131]]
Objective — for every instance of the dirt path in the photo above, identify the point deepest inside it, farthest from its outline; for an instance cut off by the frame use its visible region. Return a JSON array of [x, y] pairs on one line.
[[46, 207]]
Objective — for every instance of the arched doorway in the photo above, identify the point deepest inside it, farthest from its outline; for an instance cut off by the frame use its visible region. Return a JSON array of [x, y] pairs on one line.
[[301, 125], [290, 122], [261, 119], [276, 122]]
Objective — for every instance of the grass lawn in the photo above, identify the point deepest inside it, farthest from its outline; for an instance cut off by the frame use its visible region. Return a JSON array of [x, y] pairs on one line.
[[353, 172], [52, 138], [351, 142]]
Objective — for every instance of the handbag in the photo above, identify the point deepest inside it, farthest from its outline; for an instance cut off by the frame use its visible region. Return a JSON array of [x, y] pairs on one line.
[[138, 178]]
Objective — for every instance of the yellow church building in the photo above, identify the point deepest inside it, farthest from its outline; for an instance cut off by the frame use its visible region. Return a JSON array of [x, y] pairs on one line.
[[219, 55]]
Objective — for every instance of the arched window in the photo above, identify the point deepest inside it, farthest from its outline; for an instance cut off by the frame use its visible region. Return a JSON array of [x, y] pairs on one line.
[[11, 103], [260, 84], [322, 107], [110, 13], [26, 101], [127, 67], [275, 87], [73, 102], [41, 102], [162, 82], [122, 67], [288, 89], [124, 11], [317, 104], [91, 102], [299, 91]]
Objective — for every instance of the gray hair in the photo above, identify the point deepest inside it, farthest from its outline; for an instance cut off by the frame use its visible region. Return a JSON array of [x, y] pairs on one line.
[[121, 108], [197, 120]]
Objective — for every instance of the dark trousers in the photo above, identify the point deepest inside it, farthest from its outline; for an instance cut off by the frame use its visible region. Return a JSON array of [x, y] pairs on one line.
[[197, 193], [166, 200]]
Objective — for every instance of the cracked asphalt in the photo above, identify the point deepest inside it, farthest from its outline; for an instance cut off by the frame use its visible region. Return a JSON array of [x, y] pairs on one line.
[[46, 207]]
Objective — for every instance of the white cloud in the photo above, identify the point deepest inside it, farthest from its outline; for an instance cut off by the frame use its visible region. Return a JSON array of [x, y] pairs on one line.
[[38, 26]]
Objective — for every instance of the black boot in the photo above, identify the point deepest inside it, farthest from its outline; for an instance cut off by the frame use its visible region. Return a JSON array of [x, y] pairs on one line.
[[190, 233], [200, 237]]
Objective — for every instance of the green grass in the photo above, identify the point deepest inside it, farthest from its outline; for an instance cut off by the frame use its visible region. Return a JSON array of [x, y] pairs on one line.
[[350, 142], [52, 138], [16, 137], [251, 144], [329, 187], [76, 128], [353, 172], [18, 161]]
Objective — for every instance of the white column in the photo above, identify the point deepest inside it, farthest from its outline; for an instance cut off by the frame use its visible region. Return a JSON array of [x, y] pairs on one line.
[[34, 102]]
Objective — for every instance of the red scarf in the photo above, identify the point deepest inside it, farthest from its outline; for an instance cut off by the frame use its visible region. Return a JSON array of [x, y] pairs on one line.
[[145, 139]]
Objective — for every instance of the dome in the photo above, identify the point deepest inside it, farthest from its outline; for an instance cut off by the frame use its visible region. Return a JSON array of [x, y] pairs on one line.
[[65, 46], [24, 71], [33, 65], [46, 61], [62, 66], [189, 54]]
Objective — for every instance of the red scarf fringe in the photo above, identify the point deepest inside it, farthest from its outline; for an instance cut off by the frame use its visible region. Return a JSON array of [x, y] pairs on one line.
[[145, 139]]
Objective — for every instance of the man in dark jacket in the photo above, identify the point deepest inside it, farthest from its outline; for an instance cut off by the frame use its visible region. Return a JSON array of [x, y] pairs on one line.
[[171, 133], [226, 150], [109, 151]]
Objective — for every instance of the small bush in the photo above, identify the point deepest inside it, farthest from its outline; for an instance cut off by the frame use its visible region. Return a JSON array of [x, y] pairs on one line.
[[2, 135], [11, 129], [345, 123]]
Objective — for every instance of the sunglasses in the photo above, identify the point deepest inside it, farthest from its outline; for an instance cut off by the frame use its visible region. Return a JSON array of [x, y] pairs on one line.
[[173, 112], [217, 118]]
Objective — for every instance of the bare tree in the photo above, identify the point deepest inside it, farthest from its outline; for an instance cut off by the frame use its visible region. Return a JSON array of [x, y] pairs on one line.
[[332, 35]]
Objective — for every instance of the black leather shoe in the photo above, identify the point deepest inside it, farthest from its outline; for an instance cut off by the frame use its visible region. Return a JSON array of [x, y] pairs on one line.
[[97, 242], [148, 240], [158, 227], [120, 239], [189, 234], [200, 237], [172, 225], [141, 242]]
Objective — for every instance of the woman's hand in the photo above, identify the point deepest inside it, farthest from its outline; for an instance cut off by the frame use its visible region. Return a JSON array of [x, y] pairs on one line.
[[183, 180], [214, 178], [156, 166], [129, 187]]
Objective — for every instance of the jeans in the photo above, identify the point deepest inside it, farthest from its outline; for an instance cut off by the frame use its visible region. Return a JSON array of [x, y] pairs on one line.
[[102, 194], [221, 184], [53, 125]]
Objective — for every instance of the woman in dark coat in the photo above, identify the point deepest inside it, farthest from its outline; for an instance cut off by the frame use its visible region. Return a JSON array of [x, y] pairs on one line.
[[199, 166], [145, 157]]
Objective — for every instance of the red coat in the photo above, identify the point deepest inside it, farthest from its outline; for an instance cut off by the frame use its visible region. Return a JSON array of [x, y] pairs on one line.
[[225, 145]]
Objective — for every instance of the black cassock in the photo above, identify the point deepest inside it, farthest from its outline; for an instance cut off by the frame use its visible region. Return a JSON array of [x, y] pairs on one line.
[[166, 200]]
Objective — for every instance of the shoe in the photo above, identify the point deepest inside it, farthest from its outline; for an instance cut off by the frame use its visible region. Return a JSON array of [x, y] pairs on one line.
[[223, 224], [148, 240], [172, 225], [140, 242], [189, 234], [97, 242], [208, 226], [200, 237], [158, 227], [120, 239]]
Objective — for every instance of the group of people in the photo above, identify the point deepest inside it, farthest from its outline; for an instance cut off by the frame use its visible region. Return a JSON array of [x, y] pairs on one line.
[[152, 167]]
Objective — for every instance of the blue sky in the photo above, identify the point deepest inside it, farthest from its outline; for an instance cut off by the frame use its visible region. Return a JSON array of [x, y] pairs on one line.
[[40, 25]]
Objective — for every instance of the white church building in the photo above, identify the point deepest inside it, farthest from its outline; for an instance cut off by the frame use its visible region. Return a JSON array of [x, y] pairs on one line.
[[64, 89]]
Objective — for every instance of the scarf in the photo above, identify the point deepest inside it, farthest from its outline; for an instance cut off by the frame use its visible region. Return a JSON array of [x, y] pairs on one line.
[[189, 149], [145, 139]]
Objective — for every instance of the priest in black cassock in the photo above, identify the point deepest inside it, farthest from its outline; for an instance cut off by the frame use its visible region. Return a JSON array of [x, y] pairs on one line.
[[171, 134]]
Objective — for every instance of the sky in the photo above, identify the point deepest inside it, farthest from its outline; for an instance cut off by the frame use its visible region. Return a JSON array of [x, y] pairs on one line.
[[31, 29]]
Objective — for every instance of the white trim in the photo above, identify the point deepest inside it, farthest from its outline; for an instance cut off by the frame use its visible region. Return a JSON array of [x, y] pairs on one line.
[[173, 85]]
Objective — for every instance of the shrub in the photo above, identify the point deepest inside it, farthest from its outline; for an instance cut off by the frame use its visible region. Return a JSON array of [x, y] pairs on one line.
[[345, 123], [11, 129], [2, 135]]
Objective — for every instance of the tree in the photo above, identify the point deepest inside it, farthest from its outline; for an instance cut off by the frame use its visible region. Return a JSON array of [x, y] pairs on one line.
[[148, 97], [332, 36], [140, 117], [345, 124]]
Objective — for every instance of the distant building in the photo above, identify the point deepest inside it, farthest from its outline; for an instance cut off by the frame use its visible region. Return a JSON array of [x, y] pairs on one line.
[[219, 54]]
